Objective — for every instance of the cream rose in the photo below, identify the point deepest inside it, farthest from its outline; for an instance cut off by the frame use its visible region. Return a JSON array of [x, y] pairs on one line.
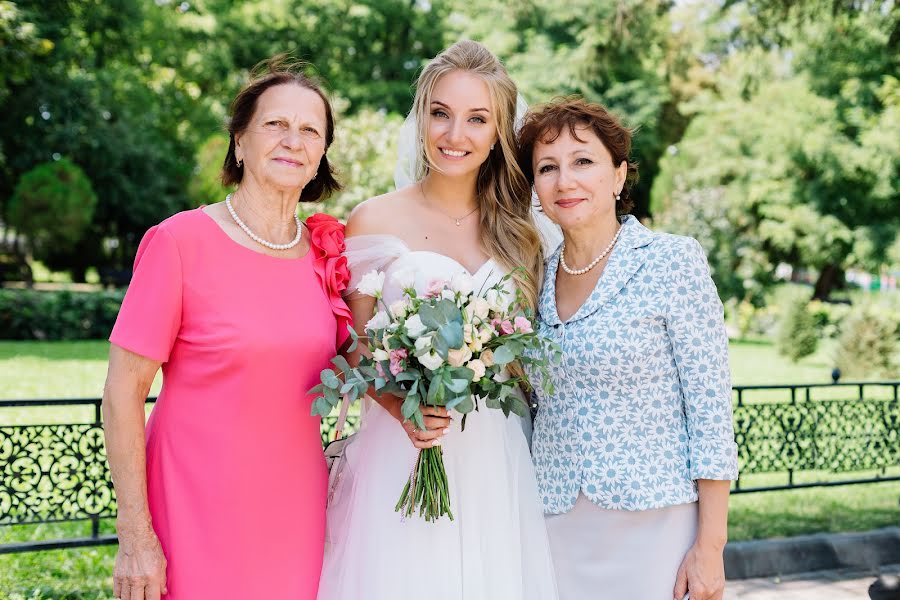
[[457, 358]]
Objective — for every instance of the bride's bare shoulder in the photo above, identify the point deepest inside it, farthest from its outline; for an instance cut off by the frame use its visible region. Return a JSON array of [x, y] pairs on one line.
[[390, 213]]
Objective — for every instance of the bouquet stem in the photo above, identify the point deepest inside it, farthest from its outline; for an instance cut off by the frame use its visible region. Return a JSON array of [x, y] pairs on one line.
[[427, 488]]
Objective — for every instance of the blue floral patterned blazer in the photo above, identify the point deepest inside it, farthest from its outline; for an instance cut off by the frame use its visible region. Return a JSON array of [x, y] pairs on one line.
[[642, 400]]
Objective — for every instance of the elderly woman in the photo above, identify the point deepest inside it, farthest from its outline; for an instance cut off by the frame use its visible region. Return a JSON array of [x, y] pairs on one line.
[[634, 450], [223, 494]]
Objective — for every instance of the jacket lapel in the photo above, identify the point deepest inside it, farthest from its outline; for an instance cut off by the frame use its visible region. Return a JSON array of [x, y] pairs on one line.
[[627, 257]]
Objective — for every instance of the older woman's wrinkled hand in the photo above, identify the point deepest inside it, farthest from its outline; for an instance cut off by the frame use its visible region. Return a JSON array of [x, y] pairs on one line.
[[140, 570]]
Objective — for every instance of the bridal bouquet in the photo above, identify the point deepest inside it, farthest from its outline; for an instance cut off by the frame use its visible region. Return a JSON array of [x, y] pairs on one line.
[[453, 347]]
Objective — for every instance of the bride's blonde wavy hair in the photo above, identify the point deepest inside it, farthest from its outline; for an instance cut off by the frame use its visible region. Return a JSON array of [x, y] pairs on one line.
[[508, 231]]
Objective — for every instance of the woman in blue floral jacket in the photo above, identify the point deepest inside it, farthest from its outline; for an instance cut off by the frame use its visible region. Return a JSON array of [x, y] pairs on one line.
[[635, 448]]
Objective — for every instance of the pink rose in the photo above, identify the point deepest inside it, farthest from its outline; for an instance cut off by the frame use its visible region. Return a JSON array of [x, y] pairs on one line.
[[495, 324], [337, 275], [326, 246], [523, 325], [435, 287], [506, 327], [397, 357], [326, 234], [380, 370]]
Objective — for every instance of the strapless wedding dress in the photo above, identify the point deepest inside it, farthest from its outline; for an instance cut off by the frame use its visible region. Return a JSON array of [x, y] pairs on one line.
[[496, 548]]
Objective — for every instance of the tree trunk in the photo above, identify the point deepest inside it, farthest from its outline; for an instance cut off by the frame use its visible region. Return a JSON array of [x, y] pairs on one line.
[[830, 278]]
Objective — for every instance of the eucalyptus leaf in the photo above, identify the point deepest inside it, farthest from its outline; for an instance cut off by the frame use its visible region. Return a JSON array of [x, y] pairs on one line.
[[450, 311], [441, 346], [431, 316], [341, 363], [458, 385], [452, 334], [410, 405], [503, 355], [467, 405], [436, 392], [330, 379]]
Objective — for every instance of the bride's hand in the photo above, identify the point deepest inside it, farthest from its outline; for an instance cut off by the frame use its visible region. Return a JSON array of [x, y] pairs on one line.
[[437, 422]]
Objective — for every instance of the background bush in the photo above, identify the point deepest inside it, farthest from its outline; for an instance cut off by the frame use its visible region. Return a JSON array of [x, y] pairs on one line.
[[65, 315], [868, 343], [798, 336]]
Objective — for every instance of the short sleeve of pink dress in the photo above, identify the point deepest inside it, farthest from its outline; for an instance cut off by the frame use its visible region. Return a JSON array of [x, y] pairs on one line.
[[236, 477]]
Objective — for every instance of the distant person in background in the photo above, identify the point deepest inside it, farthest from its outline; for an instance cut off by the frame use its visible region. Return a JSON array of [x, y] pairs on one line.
[[240, 304], [634, 450]]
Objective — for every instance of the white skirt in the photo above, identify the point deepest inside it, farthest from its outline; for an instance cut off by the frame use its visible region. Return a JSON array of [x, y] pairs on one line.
[[615, 554], [496, 548]]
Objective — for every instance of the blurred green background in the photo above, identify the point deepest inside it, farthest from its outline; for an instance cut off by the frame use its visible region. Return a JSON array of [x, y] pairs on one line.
[[767, 129]]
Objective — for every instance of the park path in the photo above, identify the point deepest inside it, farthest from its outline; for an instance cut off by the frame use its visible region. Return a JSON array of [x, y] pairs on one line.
[[823, 585]]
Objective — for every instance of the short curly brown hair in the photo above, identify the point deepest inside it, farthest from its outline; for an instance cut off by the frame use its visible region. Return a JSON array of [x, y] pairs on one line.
[[544, 123], [279, 70]]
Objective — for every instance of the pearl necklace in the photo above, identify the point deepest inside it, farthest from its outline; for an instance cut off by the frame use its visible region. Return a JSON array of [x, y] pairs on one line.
[[258, 239], [562, 257]]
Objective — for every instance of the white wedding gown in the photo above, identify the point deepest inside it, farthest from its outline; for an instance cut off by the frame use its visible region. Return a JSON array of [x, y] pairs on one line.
[[496, 548]]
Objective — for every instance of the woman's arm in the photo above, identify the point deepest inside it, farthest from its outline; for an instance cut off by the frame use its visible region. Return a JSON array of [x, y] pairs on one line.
[[702, 572], [696, 326], [436, 417], [140, 570]]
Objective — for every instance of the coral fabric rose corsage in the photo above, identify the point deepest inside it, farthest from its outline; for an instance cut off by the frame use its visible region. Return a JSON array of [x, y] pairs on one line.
[[327, 244]]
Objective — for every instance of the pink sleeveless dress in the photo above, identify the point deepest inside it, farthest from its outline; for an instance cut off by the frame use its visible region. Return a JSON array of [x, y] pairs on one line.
[[235, 472]]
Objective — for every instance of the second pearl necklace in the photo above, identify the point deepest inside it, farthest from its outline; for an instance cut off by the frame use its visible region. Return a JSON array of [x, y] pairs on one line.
[[570, 271]]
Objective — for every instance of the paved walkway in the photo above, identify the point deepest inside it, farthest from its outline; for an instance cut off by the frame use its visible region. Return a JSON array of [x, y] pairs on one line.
[[823, 585]]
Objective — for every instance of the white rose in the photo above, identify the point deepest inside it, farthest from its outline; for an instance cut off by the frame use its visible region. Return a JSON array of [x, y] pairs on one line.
[[485, 334], [371, 283], [458, 358], [462, 283], [495, 300], [476, 309], [381, 355], [476, 345], [379, 321], [415, 327], [468, 333], [487, 357], [478, 368], [404, 279], [426, 342], [431, 361], [399, 308]]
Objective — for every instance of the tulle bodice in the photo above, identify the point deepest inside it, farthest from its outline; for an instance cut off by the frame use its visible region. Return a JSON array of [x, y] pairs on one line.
[[390, 254]]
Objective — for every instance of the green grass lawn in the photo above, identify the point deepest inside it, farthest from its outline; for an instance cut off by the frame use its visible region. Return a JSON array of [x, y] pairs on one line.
[[77, 370]]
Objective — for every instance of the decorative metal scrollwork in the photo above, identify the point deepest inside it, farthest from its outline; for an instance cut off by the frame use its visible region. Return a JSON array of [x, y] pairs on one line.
[[60, 473], [52, 473], [835, 436]]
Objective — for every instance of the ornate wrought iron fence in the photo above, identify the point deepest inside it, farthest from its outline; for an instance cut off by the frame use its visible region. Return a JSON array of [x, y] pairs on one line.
[[831, 441], [52, 473]]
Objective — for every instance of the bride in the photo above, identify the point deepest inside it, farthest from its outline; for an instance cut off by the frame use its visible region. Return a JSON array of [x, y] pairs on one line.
[[469, 211]]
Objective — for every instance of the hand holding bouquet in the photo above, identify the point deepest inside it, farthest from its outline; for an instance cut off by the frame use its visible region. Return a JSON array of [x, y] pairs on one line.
[[451, 347]]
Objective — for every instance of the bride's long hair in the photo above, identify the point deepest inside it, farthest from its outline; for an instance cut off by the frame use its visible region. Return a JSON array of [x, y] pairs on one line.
[[508, 232]]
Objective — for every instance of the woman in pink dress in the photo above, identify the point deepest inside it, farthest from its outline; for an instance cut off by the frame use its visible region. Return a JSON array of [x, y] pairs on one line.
[[223, 494]]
